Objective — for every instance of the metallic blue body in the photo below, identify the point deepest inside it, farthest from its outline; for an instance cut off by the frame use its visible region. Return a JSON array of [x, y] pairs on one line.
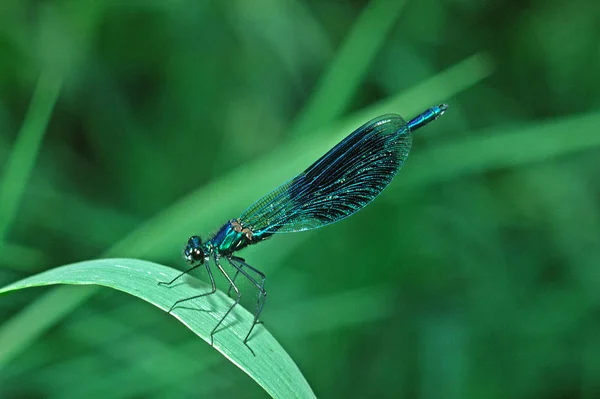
[[232, 237], [340, 183], [428, 116], [228, 240]]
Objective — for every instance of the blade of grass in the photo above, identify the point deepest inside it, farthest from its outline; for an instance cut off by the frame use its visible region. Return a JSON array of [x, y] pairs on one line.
[[345, 73], [501, 148], [29, 140], [271, 368]]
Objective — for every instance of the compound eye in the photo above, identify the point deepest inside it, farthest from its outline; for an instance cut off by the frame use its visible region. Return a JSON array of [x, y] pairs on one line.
[[193, 251], [197, 254]]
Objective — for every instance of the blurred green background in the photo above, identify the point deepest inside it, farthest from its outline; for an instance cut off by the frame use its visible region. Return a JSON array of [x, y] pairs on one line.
[[126, 126]]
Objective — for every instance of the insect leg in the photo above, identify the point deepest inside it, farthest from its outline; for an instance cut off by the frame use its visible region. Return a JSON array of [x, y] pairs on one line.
[[179, 275], [237, 263], [212, 291], [237, 300], [234, 277]]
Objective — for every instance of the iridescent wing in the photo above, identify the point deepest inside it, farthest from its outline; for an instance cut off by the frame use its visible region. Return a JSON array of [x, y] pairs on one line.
[[337, 185]]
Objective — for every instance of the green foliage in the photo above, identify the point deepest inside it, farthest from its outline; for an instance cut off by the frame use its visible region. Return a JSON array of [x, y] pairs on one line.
[[127, 126], [273, 369]]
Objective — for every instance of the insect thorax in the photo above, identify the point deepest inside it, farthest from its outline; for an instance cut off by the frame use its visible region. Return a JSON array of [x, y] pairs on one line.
[[234, 236]]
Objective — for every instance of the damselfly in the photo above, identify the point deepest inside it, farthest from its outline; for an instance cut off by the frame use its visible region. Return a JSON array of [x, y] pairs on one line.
[[337, 185]]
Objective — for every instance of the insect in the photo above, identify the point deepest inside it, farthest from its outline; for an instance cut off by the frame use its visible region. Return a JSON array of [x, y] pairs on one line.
[[337, 185]]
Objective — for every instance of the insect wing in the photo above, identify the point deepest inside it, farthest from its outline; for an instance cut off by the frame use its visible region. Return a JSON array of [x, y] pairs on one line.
[[337, 185]]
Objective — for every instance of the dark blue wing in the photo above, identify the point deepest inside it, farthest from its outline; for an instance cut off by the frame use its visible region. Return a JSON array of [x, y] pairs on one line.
[[337, 185]]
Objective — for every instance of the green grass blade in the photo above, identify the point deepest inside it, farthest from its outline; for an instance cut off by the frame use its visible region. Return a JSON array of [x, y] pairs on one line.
[[22, 158], [272, 368], [345, 73], [501, 148]]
